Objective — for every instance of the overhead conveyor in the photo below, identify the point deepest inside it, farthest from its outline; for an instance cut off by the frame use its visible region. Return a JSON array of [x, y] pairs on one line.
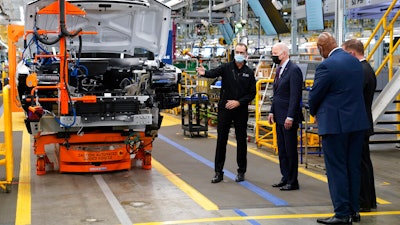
[[270, 19]]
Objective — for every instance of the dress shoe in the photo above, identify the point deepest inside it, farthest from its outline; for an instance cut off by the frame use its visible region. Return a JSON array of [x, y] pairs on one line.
[[240, 177], [289, 187], [217, 178], [335, 220], [280, 184], [356, 217]]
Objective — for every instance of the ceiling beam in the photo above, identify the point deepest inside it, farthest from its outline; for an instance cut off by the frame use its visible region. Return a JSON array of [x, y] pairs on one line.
[[220, 6], [198, 14]]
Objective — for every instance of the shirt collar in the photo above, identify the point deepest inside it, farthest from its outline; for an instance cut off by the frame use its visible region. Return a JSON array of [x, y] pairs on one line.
[[333, 50], [284, 64]]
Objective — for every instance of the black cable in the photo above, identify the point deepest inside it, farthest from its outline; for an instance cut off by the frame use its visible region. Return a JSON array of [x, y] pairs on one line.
[[63, 27]]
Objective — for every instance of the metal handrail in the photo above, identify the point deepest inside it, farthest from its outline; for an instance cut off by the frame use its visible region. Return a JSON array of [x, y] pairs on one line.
[[388, 28]]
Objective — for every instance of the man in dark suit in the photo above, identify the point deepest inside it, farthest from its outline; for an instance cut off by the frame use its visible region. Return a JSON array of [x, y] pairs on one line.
[[286, 112], [336, 100], [367, 192]]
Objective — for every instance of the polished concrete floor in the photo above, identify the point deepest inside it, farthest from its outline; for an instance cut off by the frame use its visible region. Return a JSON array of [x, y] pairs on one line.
[[177, 190]]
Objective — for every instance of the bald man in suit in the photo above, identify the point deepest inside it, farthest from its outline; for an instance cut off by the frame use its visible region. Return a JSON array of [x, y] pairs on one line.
[[336, 100]]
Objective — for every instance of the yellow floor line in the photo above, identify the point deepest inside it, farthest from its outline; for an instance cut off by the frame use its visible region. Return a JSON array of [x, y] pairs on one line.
[[185, 187], [264, 217], [169, 120], [23, 211]]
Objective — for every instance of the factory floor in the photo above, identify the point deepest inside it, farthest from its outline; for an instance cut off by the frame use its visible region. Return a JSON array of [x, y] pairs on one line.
[[177, 189]]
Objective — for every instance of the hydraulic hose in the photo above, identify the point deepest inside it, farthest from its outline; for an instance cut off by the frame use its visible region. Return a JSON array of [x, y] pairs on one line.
[[64, 32]]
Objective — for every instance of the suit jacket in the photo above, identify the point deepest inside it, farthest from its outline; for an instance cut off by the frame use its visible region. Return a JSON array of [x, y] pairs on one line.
[[369, 91], [336, 97], [287, 95]]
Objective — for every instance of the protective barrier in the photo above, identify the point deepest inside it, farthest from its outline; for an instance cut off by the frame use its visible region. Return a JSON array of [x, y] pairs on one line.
[[6, 148], [265, 134]]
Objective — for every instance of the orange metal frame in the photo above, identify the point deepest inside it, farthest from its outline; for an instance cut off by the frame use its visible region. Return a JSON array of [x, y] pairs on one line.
[[70, 9], [90, 152]]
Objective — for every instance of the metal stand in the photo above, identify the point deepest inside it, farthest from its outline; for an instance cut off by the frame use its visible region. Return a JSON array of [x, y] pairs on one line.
[[311, 129], [195, 114]]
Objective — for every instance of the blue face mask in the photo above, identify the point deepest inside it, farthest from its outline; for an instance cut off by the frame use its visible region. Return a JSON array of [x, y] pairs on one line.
[[239, 58]]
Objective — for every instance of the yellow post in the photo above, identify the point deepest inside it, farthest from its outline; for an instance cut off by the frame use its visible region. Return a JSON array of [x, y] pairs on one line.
[[7, 147]]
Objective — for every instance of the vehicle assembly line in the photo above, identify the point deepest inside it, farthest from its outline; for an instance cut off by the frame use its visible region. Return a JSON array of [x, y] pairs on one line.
[[102, 108], [104, 119]]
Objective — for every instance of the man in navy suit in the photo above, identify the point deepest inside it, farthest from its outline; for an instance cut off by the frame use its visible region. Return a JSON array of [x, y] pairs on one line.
[[286, 112], [336, 100]]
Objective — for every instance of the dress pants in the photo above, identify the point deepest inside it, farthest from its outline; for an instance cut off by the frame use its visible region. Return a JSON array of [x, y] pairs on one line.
[[367, 191], [239, 117], [288, 155], [342, 155]]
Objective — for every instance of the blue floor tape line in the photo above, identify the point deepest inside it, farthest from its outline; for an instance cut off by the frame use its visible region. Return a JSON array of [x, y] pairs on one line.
[[259, 191], [241, 213]]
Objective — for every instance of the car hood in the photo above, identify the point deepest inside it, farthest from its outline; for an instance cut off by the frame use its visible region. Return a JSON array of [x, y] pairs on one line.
[[109, 26]]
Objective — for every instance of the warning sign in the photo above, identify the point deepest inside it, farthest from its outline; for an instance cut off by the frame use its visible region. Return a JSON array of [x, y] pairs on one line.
[[88, 155]]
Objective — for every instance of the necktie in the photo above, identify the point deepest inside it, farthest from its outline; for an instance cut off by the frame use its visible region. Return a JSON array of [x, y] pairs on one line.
[[278, 72]]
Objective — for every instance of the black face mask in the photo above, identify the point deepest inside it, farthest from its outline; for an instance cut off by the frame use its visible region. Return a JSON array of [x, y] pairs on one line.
[[276, 59]]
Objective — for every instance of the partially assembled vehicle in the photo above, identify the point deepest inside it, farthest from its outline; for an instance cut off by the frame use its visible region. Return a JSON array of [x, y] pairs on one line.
[[92, 81]]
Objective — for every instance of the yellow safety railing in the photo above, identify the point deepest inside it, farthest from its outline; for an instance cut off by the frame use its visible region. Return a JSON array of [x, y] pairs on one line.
[[387, 25], [189, 84], [265, 133], [388, 28], [6, 148]]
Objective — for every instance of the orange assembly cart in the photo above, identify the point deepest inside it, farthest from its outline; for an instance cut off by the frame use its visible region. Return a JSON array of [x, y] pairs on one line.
[[100, 114], [94, 152]]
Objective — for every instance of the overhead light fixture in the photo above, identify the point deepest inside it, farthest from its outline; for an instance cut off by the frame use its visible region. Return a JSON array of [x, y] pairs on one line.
[[176, 4], [21, 16], [205, 23], [277, 4]]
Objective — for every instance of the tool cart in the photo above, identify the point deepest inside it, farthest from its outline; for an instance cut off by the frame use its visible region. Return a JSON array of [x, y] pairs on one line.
[[195, 114]]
